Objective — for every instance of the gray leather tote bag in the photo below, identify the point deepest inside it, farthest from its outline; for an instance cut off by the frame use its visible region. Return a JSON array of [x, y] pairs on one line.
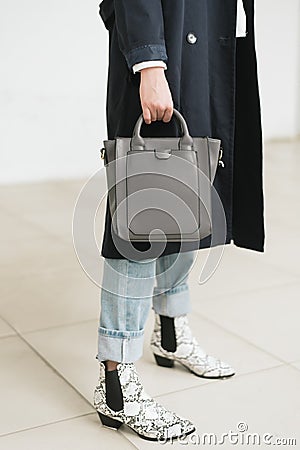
[[159, 188]]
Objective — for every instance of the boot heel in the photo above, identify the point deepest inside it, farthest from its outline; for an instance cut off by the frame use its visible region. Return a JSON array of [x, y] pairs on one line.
[[164, 362], [109, 422]]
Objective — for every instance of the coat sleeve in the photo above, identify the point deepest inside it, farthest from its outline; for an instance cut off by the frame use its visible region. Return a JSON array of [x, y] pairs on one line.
[[140, 28]]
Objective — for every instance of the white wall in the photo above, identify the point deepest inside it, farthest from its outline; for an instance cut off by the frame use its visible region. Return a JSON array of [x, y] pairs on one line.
[[278, 53], [53, 84]]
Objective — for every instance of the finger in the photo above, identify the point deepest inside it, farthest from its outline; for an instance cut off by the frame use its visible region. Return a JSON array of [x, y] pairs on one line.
[[155, 114], [168, 114], [147, 115]]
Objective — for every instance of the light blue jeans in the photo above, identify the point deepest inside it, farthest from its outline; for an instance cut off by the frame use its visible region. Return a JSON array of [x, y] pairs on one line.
[[127, 293]]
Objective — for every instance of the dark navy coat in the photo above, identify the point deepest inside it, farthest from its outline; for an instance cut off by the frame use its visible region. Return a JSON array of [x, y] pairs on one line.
[[214, 84]]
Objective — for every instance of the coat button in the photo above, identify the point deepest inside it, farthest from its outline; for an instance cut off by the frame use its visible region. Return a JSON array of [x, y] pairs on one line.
[[191, 38]]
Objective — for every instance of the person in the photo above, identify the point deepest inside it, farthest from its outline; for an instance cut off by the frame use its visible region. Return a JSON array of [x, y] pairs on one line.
[[183, 54]]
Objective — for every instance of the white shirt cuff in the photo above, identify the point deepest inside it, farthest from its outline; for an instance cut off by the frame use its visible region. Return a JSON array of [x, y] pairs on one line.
[[241, 20], [144, 64]]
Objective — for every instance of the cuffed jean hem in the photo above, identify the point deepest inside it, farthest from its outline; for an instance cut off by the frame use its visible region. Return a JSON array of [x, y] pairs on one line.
[[120, 346], [172, 303]]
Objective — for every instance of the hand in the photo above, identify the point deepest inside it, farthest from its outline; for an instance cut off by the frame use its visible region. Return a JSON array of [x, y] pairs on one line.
[[155, 95]]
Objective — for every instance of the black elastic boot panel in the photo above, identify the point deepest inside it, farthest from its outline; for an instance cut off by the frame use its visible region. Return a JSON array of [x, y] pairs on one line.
[[114, 396], [168, 336]]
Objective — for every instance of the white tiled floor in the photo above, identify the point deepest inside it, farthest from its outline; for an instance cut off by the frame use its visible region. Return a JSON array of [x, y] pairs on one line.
[[247, 314]]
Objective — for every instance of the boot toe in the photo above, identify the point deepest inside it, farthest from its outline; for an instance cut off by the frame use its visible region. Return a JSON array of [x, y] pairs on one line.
[[217, 369], [188, 427], [181, 428]]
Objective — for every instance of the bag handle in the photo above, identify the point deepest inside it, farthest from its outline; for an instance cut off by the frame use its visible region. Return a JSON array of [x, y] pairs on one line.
[[185, 142]]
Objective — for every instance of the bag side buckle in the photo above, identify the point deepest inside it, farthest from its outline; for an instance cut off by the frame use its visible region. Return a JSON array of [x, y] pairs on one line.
[[221, 162], [102, 153]]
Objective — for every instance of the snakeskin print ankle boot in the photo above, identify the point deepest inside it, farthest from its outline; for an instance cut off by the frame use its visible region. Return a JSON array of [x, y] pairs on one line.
[[186, 350], [135, 408]]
